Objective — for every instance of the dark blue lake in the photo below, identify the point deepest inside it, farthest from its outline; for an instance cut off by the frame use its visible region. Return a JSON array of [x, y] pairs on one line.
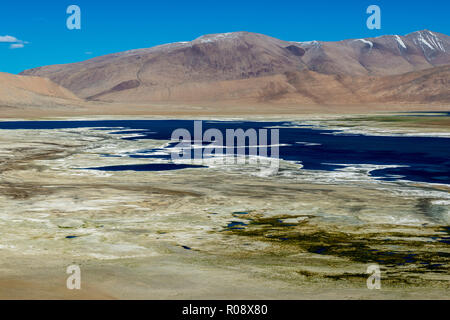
[[425, 159]]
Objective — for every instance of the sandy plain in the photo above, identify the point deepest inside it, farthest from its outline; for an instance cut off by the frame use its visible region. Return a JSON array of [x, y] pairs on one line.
[[167, 235], [193, 109]]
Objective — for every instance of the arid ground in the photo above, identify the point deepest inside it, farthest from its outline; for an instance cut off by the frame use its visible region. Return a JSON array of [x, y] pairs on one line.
[[173, 235]]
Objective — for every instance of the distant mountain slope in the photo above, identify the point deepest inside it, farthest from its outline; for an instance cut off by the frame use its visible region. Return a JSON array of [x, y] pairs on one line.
[[255, 67], [207, 59], [417, 87], [25, 91], [386, 55]]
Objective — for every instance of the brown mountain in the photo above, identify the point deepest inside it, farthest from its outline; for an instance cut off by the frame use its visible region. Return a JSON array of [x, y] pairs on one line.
[[32, 91], [386, 55], [252, 67], [309, 87]]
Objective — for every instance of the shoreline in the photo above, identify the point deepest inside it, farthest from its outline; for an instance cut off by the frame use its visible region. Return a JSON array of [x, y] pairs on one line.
[[205, 109]]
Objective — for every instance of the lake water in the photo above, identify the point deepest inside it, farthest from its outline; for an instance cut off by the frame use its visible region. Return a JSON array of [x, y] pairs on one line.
[[422, 159]]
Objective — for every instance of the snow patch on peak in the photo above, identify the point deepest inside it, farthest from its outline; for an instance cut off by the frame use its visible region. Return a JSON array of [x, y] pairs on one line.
[[400, 42], [217, 37], [365, 41], [436, 41], [307, 44], [427, 39], [421, 40]]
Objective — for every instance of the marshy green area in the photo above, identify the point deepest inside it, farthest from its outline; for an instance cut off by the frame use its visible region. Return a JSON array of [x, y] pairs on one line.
[[439, 120], [403, 252]]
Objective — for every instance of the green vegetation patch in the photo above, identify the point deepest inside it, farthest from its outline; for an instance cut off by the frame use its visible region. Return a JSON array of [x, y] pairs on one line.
[[418, 249]]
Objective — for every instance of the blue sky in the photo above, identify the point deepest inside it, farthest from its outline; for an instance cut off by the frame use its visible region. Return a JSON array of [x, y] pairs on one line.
[[112, 26]]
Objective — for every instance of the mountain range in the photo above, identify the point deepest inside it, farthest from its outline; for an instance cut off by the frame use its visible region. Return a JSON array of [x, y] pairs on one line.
[[254, 68]]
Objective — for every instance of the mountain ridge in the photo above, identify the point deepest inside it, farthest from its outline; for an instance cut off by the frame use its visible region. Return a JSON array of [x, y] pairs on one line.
[[245, 65]]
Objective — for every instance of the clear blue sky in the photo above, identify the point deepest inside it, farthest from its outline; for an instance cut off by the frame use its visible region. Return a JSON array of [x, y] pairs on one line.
[[112, 26]]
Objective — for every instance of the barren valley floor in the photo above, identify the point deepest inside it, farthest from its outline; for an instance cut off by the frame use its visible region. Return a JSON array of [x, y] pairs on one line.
[[210, 233]]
